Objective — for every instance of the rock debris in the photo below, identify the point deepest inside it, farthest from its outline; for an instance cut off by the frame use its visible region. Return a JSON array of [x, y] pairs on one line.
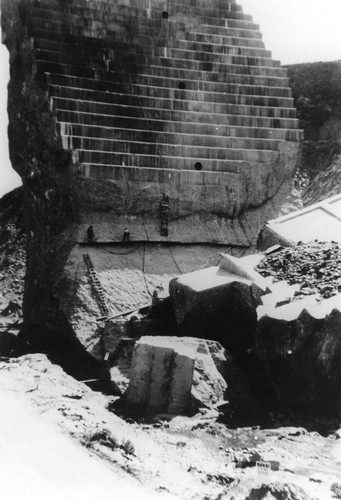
[[315, 266]]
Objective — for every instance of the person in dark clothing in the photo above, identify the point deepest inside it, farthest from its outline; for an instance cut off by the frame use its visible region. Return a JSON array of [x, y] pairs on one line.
[[126, 234], [90, 234]]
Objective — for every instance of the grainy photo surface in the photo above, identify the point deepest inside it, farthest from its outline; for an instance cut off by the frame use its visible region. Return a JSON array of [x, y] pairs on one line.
[[170, 250]]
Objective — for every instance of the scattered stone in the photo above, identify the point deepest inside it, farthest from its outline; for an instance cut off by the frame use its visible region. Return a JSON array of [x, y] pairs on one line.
[[336, 489], [208, 385]]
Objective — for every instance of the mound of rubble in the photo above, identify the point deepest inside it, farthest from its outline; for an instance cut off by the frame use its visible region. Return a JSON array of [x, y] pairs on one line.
[[315, 266]]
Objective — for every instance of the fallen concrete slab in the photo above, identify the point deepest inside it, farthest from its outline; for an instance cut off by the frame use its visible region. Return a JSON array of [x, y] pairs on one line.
[[321, 221], [161, 376]]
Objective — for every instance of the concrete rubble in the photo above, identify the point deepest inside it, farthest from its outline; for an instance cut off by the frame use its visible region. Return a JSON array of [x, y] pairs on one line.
[[296, 333], [209, 302], [175, 375], [161, 376]]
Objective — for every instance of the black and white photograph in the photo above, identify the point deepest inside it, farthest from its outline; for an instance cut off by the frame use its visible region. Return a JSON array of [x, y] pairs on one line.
[[170, 250]]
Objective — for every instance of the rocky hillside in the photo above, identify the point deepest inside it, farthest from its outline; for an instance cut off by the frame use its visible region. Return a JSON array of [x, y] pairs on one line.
[[12, 269], [317, 94]]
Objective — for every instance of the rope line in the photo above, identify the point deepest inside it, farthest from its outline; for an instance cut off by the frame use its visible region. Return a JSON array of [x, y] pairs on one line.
[[178, 268], [124, 253], [143, 270]]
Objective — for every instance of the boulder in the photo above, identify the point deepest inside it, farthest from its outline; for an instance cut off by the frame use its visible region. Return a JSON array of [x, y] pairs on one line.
[[215, 376], [161, 376], [209, 386], [215, 304]]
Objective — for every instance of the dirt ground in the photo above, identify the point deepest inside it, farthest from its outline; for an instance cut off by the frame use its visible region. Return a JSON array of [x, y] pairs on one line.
[[180, 457]]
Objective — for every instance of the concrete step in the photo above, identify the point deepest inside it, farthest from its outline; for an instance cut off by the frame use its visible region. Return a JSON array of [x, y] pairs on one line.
[[145, 155], [161, 174], [130, 105], [167, 93], [136, 7], [130, 135], [215, 5], [94, 14], [89, 28], [180, 133], [131, 62], [136, 74], [170, 125], [66, 112], [189, 37], [230, 39], [156, 161], [123, 83], [99, 21], [229, 148]]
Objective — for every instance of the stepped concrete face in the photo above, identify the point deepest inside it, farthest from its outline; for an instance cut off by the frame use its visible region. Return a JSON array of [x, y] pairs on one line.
[[150, 98]]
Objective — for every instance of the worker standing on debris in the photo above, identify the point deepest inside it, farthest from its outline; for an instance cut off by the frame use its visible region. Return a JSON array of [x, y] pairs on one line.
[[126, 234], [90, 234]]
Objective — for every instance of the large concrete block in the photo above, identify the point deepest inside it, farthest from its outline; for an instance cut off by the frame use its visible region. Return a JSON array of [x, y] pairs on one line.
[[321, 221], [217, 303], [161, 376], [181, 379]]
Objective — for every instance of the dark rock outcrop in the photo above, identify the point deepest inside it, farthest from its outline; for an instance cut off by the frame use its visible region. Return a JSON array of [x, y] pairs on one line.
[[317, 95]]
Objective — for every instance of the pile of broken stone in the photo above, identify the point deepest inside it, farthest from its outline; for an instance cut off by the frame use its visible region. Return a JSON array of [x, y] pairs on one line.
[[315, 266]]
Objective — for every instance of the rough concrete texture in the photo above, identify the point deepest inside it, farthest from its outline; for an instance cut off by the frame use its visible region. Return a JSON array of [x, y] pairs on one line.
[[205, 288], [212, 301], [140, 103], [300, 346], [209, 387], [129, 274], [161, 376], [241, 267], [216, 375]]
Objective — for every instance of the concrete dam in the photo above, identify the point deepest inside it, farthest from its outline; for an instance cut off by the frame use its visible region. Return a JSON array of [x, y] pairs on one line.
[[167, 118], [164, 100]]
